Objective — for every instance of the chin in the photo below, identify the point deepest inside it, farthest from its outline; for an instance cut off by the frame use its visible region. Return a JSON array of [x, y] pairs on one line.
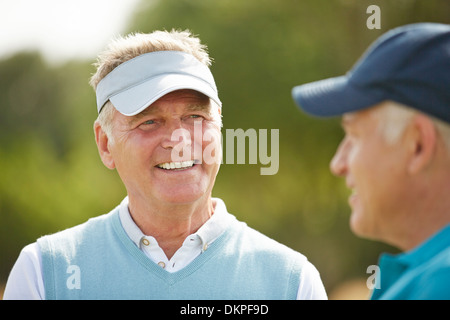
[[358, 225]]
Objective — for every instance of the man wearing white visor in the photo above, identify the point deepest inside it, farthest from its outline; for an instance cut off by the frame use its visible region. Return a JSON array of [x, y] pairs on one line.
[[159, 127]]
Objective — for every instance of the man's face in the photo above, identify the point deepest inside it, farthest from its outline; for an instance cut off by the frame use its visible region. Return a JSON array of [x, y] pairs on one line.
[[374, 171], [143, 147]]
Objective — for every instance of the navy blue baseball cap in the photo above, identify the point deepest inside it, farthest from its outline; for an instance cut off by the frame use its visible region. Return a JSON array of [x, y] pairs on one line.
[[409, 65]]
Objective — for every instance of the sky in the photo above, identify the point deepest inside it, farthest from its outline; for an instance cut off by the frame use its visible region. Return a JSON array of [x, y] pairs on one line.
[[62, 29]]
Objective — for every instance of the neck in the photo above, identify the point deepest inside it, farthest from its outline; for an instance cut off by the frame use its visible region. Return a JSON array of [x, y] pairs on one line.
[[411, 240], [426, 216], [170, 224]]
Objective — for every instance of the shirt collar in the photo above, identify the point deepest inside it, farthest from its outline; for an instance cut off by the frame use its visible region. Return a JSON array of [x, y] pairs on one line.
[[215, 225], [208, 232], [131, 229], [393, 266]]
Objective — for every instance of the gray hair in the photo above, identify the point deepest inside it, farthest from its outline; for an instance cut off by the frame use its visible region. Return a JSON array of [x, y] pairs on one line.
[[396, 117]]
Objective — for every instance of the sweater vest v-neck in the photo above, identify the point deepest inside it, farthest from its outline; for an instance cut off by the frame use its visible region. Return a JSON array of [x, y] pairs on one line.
[[97, 260]]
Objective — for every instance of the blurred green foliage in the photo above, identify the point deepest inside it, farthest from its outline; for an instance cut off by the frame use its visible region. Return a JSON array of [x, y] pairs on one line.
[[51, 176]]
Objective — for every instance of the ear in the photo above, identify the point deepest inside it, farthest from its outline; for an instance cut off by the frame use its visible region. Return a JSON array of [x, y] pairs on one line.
[[103, 146], [423, 143]]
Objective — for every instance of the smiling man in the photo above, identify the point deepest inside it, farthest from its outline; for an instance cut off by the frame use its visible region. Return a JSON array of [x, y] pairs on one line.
[[395, 156], [159, 127]]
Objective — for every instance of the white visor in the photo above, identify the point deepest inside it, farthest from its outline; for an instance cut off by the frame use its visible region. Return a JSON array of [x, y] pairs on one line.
[[137, 83]]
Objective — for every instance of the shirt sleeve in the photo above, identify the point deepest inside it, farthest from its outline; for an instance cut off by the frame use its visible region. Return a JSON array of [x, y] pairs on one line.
[[311, 286], [25, 280]]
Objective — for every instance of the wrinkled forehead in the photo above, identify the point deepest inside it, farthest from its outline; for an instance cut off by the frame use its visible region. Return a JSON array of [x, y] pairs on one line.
[[362, 118], [188, 100], [192, 100], [188, 95]]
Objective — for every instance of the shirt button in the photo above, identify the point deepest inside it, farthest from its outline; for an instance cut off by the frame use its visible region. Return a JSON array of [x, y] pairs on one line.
[[145, 242], [205, 247], [161, 264]]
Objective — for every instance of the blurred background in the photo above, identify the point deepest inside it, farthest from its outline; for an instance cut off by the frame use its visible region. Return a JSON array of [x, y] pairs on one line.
[[51, 176]]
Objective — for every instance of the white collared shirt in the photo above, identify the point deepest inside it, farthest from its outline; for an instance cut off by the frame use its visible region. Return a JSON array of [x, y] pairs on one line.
[[25, 281], [192, 246]]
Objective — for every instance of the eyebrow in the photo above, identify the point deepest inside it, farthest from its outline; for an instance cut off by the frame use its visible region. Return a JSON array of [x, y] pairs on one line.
[[346, 119], [142, 114], [344, 122], [199, 107]]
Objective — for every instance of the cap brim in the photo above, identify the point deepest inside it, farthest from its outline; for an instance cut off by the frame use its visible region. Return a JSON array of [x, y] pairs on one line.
[[134, 100], [332, 97]]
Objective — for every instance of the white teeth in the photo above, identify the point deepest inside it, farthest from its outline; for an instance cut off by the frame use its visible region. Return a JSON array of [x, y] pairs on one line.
[[176, 165]]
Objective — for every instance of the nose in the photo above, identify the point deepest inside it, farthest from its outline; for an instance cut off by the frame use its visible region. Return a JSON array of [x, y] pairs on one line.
[[175, 136], [338, 164]]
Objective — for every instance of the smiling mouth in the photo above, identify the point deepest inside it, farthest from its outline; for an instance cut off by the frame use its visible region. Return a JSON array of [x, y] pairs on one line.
[[176, 165]]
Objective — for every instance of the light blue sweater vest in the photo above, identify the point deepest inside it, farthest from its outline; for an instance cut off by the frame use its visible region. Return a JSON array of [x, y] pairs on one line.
[[97, 260]]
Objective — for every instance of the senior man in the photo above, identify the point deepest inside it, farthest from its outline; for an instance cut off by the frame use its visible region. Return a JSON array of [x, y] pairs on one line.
[[159, 127], [395, 156]]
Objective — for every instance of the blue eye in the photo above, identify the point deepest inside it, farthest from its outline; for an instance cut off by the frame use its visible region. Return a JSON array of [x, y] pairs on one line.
[[147, 125]]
